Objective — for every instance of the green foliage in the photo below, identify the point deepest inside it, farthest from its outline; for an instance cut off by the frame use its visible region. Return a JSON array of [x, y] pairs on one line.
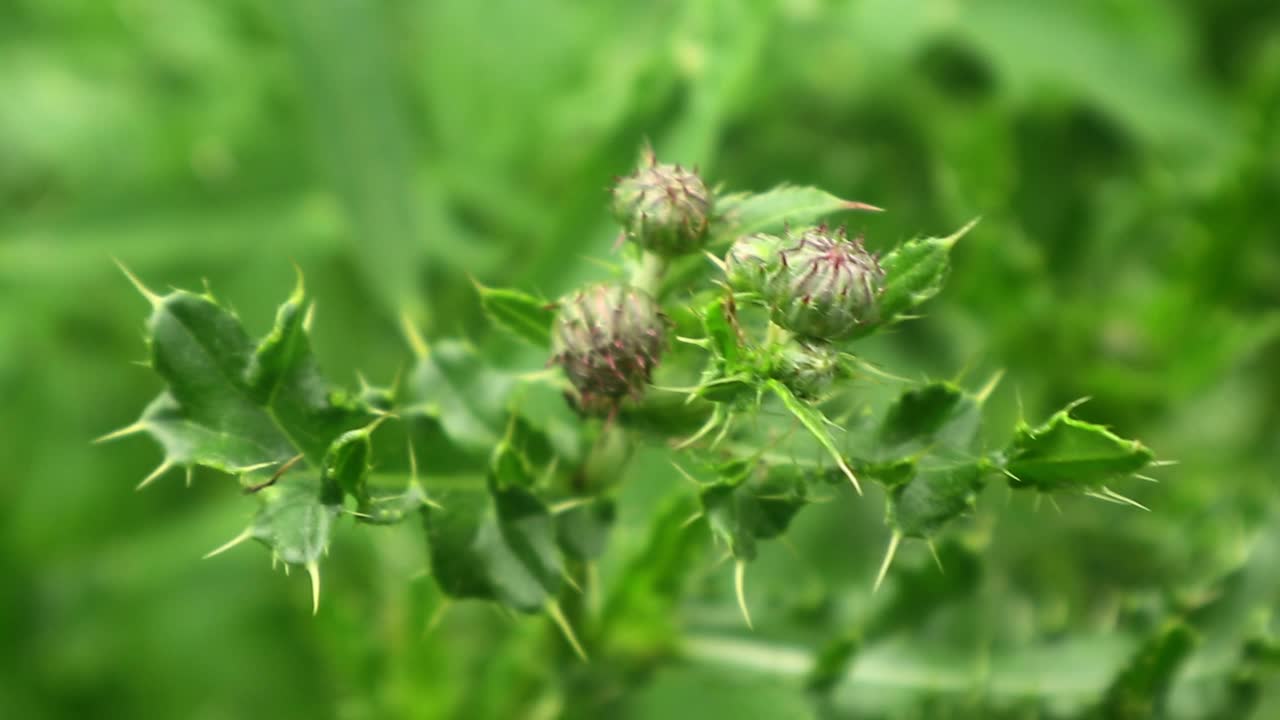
[[441, 172]]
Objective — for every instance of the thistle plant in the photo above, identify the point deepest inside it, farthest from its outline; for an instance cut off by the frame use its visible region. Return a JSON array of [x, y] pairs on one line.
[[730, 336]]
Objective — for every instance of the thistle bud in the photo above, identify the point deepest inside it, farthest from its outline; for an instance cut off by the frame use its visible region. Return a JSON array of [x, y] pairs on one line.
[[608, 338], [827, 286], [807, 367], [752, 261], [664, 208]]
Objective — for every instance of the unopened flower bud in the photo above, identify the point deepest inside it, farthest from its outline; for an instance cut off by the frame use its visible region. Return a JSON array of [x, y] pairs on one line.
[[664, 208], [752, 261], [608, 338], [828, 285], [807, 367]]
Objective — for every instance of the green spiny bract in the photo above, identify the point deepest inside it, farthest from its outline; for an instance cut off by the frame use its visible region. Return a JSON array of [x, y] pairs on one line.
[[608, 338], [752, 261], [807, 367], [664, 208], [827, 285]]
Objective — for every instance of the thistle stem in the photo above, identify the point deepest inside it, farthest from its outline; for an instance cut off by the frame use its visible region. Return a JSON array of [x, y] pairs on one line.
[[648, 275]]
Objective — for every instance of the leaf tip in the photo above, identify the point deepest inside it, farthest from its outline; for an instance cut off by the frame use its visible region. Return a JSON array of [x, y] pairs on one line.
[[313, 569], [239, 538], [865, 207], [145, 291], [739, 588], [161, 469], [888, 560], [954, 237], [557, 616], [412, 335]]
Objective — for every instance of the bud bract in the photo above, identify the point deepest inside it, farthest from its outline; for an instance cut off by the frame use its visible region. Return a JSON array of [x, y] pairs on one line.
[[827, 284], [807, 367], [664, 208], [752, 261], [608, 338]]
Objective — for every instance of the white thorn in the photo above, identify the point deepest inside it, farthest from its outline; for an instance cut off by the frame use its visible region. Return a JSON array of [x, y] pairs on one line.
[[888, 559], [313, 569], [981, 396], [146, 292], [553, 610], [933, 550], [244, 535], [739, 587], [191, 471], [848, 473], [1124, 500], [122, 432], [162, 469]]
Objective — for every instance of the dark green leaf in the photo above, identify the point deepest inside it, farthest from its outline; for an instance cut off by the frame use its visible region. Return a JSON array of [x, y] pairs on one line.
[[937, 414], [1141, 688], [932, 498], [228, 404], [521, 314], [496, 544], [346, 465], [1069, 454], [742, 512]]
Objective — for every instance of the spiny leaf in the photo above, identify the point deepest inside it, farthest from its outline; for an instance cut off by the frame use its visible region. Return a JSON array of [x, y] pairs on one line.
[[229, 404], [294, 522], [816, 424], [746, 213], [914, 272], [1069, 454], [521, 314]]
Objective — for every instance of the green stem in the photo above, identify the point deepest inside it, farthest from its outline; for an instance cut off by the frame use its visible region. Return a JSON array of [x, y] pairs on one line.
[[648, 275]]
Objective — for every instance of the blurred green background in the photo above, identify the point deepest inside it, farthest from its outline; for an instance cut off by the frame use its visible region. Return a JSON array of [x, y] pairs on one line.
[[1124, 156]]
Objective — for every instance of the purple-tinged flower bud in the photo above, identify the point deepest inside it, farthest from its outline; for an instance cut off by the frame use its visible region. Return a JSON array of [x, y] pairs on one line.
[[752, 261], [807, 367], [664, 208], [608, 338], [828, 285]]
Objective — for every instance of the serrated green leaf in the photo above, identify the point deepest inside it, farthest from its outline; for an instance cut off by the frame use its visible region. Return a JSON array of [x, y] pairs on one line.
[[1069, 454], [921, 506], [495, 544], [914, 272], [346, 466], [230, 404], [1141, 688], [294, 522], [520, 314], [746, 213], [467, 396], [742, 512]]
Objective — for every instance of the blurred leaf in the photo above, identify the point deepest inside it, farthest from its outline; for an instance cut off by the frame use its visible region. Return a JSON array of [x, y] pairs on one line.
[[1069, 454], [1141, 688], [496, 544], [933, 497], [520, 314], [740, 512], [583, 530], [938, 415], [454, 385]]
